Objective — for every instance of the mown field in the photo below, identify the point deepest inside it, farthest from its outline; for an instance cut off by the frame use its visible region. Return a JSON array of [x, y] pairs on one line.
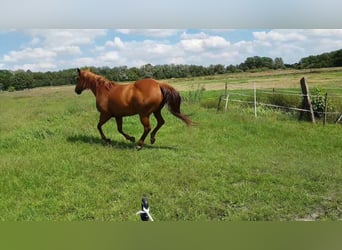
[[232, 166]]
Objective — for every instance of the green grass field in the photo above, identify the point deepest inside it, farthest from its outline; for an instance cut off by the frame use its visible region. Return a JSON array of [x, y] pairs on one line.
[[232, 166]]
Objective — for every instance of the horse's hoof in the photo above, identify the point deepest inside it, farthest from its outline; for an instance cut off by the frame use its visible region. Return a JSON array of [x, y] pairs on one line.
[[132, 139], [107, 141], [138, 147], [153, 140]]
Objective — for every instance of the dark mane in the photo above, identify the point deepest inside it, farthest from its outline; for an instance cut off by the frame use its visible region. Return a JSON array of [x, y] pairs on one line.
[[100, 80]]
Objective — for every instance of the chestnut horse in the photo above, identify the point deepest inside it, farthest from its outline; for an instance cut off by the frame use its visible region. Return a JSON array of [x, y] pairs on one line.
[[144, 97]]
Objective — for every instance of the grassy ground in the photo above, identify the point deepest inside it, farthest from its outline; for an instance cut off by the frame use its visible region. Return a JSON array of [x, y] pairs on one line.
[[53, 165]]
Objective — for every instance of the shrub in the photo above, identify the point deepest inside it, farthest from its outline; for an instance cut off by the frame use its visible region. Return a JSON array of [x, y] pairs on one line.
[[195, 94], [318, 102], [210, 103], [11, 89]]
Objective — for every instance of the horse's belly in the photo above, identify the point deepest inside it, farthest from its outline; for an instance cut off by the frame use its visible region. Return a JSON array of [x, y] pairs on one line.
[[120, 110]]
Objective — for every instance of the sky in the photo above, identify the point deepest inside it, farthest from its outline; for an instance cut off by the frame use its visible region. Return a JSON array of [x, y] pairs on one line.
[[56, 49], [51, 35]]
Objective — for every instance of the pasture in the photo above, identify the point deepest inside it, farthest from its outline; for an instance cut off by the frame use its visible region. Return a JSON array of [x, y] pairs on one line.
[[232, 166]]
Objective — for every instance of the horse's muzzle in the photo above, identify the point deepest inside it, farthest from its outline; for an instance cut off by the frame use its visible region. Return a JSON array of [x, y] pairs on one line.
[[78, 91]]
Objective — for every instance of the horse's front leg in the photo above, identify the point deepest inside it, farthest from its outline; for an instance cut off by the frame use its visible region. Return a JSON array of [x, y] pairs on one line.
[[103, 119], [145, 121], [119, 127]]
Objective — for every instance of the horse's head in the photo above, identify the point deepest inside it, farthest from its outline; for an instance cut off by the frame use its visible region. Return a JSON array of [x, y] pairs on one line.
[[81, 83]]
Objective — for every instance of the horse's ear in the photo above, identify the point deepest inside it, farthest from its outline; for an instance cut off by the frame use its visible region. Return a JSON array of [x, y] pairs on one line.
[[79, 71]]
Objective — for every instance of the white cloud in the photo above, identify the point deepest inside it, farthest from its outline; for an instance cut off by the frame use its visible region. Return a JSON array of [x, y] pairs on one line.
[[138, 62], [202, 41], [66, 37], [292, 45], [193, 45], [35, 41], [117, 43], [177, 60], [51, 45], [68, 50], [187, 36], [150, 32], [28, 54], [334, 33], [110, 56], [136, 53], [36, 66], [279, 36], [84, 61], [97, 49], [153, 48]]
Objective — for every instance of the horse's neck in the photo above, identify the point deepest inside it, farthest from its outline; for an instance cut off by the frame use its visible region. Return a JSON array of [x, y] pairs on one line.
[[92, 85]]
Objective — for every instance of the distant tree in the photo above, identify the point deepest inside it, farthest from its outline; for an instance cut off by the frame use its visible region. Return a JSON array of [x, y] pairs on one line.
[[5, 79], [133, 74], [325, 60], [147, 69], [243, 67], [278, 63], [337, 58], [22, 80], [219, 69], [257, 62], [252, 62], [231, 69]]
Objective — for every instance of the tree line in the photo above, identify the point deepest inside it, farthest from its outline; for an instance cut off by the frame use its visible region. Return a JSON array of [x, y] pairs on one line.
[[325, 60], [20, 79]]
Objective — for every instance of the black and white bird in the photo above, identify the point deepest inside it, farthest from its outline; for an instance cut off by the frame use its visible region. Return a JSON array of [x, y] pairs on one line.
[[145, 210]]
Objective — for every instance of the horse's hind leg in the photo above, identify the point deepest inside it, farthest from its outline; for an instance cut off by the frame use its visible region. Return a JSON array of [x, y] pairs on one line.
[[119, 126], [103, 119], [160, 122], [145, 121]]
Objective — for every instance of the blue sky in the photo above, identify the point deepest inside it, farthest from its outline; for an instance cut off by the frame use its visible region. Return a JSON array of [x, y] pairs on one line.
[[56, 49]]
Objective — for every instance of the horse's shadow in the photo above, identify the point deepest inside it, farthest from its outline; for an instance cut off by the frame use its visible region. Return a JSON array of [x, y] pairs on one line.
[[89, 139]]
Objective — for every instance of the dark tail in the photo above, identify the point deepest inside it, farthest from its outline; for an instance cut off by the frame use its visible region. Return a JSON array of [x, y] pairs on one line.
[[173, 100]]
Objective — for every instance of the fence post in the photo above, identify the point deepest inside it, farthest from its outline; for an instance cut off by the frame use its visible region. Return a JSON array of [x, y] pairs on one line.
[[339, 119], [224, 97], [255, 101], [325, 108], [306, 102]]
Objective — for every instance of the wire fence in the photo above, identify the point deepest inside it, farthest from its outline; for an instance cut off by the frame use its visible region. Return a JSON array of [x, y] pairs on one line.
[[278, 106], [325, 104]]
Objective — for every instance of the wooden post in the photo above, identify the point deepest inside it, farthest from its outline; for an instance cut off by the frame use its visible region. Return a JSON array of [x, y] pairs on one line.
[[325, 108], [224, 97], [226, 87], [339, 119], [306, 102], [219, 104], [255, 101]]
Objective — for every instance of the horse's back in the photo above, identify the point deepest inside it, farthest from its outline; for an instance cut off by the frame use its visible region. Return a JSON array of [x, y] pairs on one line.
[[148, 92], [144, 96], [147, 88], [146, 84]]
